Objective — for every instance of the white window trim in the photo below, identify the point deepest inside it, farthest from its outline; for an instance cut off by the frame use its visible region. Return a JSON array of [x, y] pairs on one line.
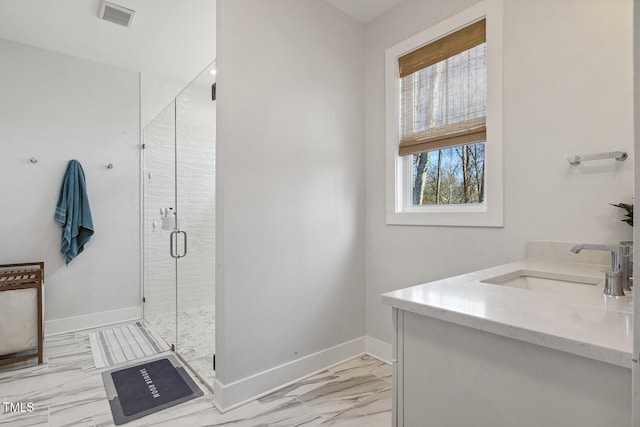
[[489, 214]]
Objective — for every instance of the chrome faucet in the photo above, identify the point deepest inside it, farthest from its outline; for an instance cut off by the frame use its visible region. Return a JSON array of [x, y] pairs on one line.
[[617, 280]]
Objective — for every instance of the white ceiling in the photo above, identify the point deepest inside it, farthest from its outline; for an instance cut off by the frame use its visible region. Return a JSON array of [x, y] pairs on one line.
[[170, 38], [364, 10]]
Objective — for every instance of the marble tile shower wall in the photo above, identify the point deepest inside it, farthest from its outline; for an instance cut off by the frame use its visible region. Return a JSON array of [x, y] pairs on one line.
[[196, 205], [158, 193], [195, 125]]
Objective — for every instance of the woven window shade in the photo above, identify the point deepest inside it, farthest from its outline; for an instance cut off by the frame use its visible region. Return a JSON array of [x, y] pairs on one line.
[[443, 92]]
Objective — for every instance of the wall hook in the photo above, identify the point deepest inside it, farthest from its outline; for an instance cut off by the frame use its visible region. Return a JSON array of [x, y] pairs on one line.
[[110, 166], [34, 159]]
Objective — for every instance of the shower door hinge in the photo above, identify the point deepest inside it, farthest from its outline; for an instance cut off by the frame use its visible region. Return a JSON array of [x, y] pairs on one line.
[[214, 362], [144, 299], [144, 146], [173, 347]]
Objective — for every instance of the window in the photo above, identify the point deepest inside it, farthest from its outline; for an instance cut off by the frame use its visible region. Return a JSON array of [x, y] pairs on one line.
[[448, 176], [443, 123]]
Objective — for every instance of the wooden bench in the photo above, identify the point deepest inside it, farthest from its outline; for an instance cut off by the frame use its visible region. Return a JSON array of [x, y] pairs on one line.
[[15, 277]]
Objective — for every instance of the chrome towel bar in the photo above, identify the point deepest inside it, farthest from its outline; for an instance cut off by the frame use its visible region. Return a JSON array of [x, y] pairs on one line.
[[579, 158]]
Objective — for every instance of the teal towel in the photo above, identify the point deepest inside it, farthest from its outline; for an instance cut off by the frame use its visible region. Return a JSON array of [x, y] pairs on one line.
[[73, 212]]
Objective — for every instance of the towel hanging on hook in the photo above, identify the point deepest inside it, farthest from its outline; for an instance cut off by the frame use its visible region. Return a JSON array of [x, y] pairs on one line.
[[73, 212]]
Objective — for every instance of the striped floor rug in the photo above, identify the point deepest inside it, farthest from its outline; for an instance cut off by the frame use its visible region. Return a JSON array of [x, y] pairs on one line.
[[124, 343]]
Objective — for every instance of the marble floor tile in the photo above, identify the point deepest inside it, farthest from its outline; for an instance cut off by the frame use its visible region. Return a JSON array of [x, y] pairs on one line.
[[377, 408], [39, 417], [171, 416], [65, 344], [19, 365], [53, 341], [348, 418], [198, 418], [288, 414], [302, 387], [61, 389], [85, 422], [355, 417], [363, 365], [376, 403], [380, 419], [384, 371], [73, 359], [78, 410], [253, 409], [88, 366], [338, 395], [11, 369], [39, 377], [67, 390]]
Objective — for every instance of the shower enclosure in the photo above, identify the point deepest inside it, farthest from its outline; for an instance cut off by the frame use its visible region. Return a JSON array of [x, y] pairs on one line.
[[179, 224]]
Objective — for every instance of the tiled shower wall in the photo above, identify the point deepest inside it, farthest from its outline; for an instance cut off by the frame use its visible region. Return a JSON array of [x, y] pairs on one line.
[[190, 120], [195, 124], [159, 192]]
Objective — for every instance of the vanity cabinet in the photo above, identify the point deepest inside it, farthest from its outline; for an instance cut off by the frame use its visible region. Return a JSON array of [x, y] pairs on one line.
[[447, 374], [529, 343]]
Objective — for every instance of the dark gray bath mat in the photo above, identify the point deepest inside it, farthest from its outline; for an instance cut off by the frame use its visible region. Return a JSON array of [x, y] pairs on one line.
[[140, 390]]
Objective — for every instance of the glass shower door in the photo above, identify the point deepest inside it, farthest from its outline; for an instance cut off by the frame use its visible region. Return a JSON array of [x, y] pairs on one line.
[[159, 200], [179, 225], [195, 208]]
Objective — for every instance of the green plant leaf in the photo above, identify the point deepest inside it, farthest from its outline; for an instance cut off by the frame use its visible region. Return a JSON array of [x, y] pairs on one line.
[[629, 212]]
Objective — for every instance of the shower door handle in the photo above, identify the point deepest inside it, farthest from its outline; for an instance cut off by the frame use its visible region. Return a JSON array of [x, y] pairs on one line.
[[185, 243], [172, 238], [173, 242]]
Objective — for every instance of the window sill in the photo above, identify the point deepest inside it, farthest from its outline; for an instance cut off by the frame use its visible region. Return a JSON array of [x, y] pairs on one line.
[[447, 219]]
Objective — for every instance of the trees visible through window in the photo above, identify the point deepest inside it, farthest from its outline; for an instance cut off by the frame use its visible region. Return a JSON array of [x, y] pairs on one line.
[[448, 176]]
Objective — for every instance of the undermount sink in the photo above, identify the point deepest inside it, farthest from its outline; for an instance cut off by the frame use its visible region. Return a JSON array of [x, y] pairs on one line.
[[545, 281]]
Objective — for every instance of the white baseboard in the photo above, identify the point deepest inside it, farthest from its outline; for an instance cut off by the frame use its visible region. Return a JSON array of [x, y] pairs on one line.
[[93, 320], [379, 349], [230, 396]]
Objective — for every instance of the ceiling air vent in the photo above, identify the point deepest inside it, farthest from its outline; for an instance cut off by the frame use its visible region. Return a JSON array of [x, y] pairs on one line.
[[116, 14]]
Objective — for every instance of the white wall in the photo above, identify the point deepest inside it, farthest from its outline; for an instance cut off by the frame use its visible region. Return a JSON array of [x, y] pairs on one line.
[[567, 90], [169, 41], [60, 108], [290, 231]]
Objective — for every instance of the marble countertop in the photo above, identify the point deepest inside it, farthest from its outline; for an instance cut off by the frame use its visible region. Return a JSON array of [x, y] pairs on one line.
[[591, 324]]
